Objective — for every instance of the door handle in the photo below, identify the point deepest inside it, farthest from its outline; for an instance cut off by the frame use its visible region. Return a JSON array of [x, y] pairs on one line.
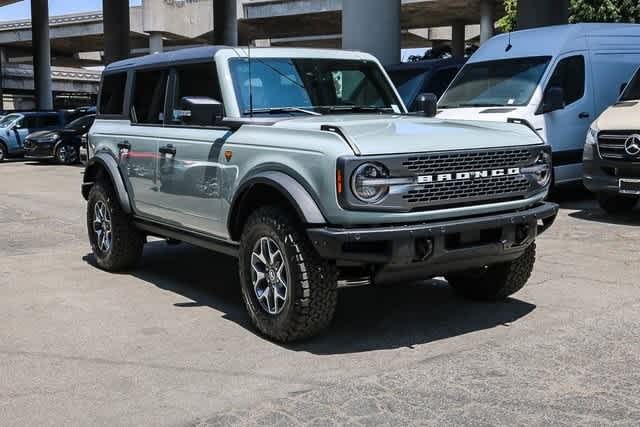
[[124, 145], [583, 115], [168, 149]]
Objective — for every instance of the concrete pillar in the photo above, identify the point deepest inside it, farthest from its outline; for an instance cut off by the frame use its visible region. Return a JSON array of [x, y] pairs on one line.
[[155, 42], [2, 61], [116, 29], [41, 54], [225, 22], [372, 26], [487, 20], [458, 37], [540, 13]]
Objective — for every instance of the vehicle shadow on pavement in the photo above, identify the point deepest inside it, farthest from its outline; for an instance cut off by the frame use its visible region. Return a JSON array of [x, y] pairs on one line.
[[367, 318], [586, 208]]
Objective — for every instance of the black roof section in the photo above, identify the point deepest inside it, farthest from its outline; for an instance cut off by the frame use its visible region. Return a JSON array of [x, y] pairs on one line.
[[427, 64], [180, 56]]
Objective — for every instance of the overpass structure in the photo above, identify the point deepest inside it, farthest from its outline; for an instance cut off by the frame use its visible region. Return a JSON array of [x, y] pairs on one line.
[[58, 45]]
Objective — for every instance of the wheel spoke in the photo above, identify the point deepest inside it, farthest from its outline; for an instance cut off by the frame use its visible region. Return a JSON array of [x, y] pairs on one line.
[[269, 274]]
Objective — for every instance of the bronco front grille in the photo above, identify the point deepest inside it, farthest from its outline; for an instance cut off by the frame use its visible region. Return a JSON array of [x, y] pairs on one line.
[[611, 145], [458, 192]]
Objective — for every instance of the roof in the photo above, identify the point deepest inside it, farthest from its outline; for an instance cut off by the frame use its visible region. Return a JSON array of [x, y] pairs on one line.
[[427, 64], [166, 58], [553, 40]]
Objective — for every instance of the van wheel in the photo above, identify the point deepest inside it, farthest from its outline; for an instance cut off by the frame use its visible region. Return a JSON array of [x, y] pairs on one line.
[[115, 241], [67, 154], [495, 282], [288, 290], [616, 203]]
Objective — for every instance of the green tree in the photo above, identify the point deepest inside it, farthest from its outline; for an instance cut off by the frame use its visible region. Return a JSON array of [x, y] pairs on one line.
[[582, 11]]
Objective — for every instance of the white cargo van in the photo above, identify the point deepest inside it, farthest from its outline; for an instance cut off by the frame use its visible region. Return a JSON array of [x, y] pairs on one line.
[[555, 79]]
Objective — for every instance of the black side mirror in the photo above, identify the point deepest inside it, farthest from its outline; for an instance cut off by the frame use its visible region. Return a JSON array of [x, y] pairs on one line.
[[553, 99], [199, 111], [623, 86], [427, 103]]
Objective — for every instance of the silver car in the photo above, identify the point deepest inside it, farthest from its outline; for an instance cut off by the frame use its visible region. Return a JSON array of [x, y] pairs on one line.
[[306, 166]]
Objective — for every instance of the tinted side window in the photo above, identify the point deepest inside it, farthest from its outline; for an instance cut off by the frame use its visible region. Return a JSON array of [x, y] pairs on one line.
[[194, 80], [149, 96], [570, 76], [440, 81], [112, 94]]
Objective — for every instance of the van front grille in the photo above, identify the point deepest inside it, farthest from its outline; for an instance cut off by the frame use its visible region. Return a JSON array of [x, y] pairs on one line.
[[611, 145]]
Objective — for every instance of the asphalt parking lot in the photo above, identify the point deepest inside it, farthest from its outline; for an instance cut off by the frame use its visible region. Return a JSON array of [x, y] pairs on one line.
[[170, 344]]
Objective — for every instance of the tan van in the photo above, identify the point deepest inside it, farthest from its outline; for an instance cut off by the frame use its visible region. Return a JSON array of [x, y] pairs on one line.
[[612, 152]]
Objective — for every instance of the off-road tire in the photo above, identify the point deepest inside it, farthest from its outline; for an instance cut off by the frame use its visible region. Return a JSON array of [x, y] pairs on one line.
[[495, 282], [312, 293], [616, 203], [127, 240]]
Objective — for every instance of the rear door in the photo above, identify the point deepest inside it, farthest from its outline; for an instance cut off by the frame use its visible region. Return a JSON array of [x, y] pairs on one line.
[[189, 154]]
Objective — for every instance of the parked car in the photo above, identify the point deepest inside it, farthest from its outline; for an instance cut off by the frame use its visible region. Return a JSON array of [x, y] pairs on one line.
[[428, 76], [15, 127], [62, 145], [555, 79], [612, 152], [305, 165]]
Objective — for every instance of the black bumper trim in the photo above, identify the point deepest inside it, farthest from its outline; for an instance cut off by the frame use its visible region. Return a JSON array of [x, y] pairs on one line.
[[330, 242]]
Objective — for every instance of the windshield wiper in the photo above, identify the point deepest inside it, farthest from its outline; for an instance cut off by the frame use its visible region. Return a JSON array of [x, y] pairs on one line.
[[357, 108], [482, 105], [280, 110]]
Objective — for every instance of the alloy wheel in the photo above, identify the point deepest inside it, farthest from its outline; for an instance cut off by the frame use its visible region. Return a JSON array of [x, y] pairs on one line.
[[102, 226], [67, 154], [269, 275]]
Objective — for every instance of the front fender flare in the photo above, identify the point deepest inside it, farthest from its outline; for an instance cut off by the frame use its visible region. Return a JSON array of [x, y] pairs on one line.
[[306, 207], [107, 162]]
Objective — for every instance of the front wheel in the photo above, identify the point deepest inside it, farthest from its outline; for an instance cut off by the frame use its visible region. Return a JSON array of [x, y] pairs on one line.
[[67, 154], [290, 292], [115, 241], [495, 282], [616, 203]]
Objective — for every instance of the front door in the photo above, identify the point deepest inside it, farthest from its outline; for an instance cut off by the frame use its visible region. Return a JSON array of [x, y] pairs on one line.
[[566, 129]]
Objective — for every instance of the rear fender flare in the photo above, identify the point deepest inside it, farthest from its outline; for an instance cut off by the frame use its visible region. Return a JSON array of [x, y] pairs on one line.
[[108, 163]]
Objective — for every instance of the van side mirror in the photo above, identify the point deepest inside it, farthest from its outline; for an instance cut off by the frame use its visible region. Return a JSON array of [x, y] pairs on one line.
[[553, 100], [427, 104], [199, 111], [623, 86]]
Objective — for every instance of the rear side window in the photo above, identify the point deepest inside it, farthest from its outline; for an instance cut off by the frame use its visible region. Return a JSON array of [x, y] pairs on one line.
[[112, 94], [195, 80], [570, 76], [149, 96]]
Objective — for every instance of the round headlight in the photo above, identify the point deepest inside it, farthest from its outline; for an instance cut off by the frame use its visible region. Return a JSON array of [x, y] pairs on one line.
[[542, 170], [368, 182]]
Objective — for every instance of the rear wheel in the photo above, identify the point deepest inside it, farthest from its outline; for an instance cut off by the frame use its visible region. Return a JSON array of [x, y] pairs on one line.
[[67, 154], [116, 243], [616, 203], [289, 291], [495, 282]]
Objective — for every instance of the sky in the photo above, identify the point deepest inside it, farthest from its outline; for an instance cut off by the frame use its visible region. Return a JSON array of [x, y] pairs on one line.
[[22, 9]]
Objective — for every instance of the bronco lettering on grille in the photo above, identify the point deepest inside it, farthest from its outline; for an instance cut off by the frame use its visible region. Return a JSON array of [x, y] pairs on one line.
[[468, 176]]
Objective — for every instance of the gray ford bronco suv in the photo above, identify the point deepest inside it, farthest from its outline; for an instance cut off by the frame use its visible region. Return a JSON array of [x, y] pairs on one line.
[[305, 165]]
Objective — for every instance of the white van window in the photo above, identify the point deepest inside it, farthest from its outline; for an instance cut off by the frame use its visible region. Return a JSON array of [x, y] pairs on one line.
[[501, 83], [570, 76]]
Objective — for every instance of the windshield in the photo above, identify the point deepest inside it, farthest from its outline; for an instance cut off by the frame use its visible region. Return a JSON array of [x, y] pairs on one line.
[[7, 120], [502, 83], [632, 91], [409, 83], [310, 85], [84, 121]]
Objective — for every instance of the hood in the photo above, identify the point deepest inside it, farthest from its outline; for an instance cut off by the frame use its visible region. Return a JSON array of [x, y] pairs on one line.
[[396, 134], [41, 134], [621, 116]]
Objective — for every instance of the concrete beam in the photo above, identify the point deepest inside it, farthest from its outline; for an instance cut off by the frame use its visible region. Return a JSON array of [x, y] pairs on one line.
[[541, 13], [373, 26]]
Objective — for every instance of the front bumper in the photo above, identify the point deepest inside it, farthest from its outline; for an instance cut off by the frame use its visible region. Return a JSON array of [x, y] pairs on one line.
[[602, 175], [42, 151], [437, 247]]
